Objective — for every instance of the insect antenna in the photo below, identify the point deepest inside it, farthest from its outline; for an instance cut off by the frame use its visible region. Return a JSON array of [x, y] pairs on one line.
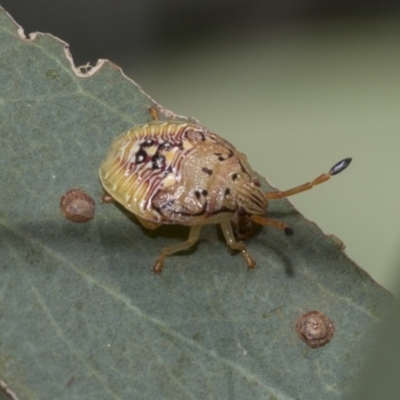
[[259, 219], [338, 167]]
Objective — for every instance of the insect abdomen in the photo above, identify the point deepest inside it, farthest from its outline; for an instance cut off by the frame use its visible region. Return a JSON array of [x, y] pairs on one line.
[[141, 161]]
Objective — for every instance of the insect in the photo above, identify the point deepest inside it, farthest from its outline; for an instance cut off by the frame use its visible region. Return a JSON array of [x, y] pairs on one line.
[[181, 173]]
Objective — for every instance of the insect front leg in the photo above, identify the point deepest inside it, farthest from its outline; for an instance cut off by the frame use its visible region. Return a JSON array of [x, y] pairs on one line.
[[236, 245], [174, 248]]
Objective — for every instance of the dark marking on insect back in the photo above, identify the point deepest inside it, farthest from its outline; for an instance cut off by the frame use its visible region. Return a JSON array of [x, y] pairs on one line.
[[148, 143], [164, 146], [140, 157], [234, 177], [198, 194], [214, 138], [227, 192], [158, 161], [222, 158], [163, 207], [168, 170], [207, 170]]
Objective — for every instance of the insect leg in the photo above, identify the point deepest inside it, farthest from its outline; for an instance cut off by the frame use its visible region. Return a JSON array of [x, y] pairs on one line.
[[338, 167], [259, 219], [174, 248], [106, 198], [153, 113], [236, 245]]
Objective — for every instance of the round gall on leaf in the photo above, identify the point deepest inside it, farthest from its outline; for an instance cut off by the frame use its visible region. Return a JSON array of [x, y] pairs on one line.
[[315, 329], [77, 206]]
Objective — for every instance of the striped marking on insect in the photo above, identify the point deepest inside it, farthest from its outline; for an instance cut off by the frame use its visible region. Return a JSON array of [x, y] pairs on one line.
[[181, 173]]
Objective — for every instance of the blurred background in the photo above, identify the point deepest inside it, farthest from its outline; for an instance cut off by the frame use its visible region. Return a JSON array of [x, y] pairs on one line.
[[295, 85]]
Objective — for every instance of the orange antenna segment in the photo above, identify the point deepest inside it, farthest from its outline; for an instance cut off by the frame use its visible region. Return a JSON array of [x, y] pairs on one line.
[[338, 167], [259, 219]]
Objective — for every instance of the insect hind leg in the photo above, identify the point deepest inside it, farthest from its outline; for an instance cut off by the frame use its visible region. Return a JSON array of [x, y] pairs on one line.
[[174, 248], [236, 245]]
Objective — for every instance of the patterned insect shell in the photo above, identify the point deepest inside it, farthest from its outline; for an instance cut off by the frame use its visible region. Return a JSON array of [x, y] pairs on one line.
[[180, 173]]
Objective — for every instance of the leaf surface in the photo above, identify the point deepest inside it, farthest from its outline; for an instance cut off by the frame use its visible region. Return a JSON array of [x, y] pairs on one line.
[[81, 314]]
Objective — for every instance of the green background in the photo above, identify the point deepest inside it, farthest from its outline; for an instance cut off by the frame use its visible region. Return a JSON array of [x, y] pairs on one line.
[[305, 96]]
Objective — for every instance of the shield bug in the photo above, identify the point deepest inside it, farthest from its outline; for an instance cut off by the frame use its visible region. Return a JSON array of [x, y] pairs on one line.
[[182, 173]]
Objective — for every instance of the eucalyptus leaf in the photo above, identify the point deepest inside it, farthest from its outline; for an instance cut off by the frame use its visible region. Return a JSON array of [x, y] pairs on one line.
[[81, 314]]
